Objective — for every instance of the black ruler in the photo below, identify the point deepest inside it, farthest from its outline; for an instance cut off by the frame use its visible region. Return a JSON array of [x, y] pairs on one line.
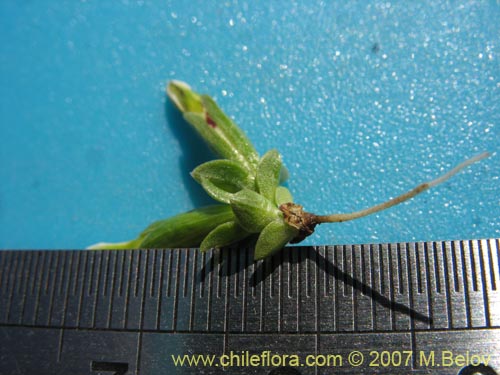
[[423, 308]]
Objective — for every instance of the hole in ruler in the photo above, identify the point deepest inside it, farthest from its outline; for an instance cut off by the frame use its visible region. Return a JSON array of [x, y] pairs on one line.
[[284, 371], [480, 369], [118, 368]]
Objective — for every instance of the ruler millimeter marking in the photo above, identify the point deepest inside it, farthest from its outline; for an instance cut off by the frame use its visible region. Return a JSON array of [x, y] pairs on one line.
[[405, 290], [438, 285]]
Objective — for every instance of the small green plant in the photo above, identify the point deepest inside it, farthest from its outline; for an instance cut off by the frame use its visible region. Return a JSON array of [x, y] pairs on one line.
[[253, 203]]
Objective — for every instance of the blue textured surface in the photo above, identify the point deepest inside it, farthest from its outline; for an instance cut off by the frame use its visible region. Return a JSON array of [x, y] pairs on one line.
[[363, 99]]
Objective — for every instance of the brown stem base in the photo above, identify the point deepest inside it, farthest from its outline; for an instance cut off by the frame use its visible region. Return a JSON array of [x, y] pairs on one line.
[[296, 217]]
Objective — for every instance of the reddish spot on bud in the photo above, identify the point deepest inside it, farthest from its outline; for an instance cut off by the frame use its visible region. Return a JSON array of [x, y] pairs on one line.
[[210, 121]]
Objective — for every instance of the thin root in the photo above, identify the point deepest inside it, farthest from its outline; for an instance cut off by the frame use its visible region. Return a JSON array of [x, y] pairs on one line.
[[337, 218]]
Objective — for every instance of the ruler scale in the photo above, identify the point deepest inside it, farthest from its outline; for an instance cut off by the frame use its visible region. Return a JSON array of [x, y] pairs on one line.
[[128, 312]]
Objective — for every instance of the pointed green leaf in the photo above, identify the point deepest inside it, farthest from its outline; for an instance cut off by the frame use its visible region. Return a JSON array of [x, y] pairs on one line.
[[246, 152], [283, 195], [222, 178], [185, 99], [187, 229], [133, 244], [253, 212], [184, 230], [268, 174], [224, 235], [222, 135], [272, 238]]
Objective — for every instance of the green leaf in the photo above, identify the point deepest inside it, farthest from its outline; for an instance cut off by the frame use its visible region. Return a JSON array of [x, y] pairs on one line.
[[221, 134], [133, 244], [273, 237], [222, 178], [187, 229], [184, 230], [253, 212], [213, 137], [268, 174], [185, 99], [224, 235], [283, 195], [245, 151]]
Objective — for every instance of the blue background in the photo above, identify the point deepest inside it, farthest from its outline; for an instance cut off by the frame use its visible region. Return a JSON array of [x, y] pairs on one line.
[[363, 99]]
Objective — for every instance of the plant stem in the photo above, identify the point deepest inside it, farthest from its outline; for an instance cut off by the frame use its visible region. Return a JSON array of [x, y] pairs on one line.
[[337, 218]]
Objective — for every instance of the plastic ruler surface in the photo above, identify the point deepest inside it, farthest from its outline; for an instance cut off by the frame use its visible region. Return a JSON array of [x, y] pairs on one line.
[[423, 308]]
